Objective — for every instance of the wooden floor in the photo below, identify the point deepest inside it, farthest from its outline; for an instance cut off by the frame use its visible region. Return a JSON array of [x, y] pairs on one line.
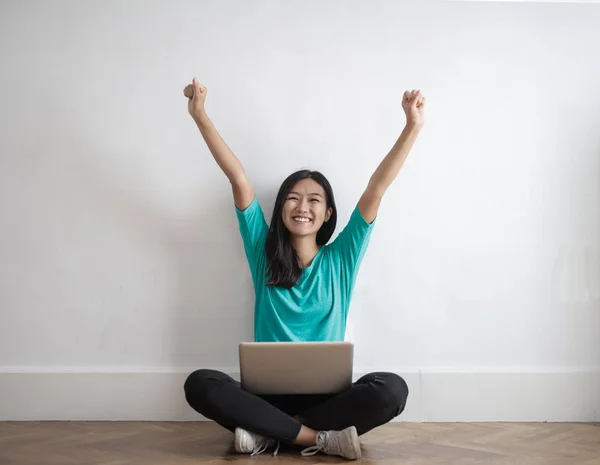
[[166, 443]]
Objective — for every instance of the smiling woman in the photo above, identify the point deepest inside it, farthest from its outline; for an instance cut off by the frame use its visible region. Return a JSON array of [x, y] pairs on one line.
[[303, 287], [304, 218]]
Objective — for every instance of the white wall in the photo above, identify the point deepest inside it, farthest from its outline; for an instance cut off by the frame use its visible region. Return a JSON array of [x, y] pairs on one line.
[[119, 244]]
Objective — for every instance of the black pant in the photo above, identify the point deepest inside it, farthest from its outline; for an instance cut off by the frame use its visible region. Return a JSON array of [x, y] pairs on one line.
[[371, 401]]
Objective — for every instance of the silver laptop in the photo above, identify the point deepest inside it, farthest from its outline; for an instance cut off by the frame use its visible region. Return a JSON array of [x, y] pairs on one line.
[[296, 367]]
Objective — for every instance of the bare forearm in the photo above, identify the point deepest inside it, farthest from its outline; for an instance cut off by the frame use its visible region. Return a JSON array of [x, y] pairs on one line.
[[243, 193], [413, 104], [388, 169], [225, 158]]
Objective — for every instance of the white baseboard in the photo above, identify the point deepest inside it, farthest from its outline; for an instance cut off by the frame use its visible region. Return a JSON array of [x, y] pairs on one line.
[[444, 395]]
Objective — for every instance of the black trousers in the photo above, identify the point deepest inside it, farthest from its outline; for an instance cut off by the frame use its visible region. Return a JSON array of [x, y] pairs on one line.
[[371, 401]]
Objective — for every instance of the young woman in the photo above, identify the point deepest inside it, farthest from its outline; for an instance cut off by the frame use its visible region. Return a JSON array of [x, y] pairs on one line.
[[303, 287]]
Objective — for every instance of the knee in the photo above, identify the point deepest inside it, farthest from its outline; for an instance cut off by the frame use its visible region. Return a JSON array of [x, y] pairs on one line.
[[394, 392], [196, 380], [198, 386]]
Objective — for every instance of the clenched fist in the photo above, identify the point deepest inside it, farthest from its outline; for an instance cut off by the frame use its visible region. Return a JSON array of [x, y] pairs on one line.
[[413, 104], [196, 93]]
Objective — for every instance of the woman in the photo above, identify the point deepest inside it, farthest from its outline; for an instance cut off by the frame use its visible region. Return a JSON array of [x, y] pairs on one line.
[[302, 289]]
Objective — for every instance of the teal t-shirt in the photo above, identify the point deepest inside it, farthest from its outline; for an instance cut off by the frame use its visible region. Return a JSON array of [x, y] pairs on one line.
[[316, 307]]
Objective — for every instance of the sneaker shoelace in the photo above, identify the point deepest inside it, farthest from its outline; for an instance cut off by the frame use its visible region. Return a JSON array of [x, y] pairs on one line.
[[262, 446], [322, 436]]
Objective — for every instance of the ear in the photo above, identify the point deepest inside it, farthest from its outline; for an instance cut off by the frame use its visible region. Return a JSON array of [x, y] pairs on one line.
[[328, 214]]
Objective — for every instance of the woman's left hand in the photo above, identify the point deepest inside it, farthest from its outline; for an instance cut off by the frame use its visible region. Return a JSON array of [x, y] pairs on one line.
[[413, 104]]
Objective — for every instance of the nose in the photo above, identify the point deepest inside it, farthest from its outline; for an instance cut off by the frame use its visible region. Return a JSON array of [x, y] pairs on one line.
[[303, 206]]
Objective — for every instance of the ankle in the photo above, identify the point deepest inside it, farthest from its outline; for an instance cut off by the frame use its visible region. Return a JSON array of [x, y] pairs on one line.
[[306, 437]]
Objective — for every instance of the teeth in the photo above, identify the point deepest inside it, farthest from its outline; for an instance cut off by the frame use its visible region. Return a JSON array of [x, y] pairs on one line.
[[301, 220]]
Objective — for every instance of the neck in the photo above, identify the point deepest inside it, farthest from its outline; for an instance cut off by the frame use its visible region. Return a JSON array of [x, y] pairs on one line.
[[306, 248]]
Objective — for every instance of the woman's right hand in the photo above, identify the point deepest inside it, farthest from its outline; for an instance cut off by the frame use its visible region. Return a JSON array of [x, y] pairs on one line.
[[196, 93], [243, 193]]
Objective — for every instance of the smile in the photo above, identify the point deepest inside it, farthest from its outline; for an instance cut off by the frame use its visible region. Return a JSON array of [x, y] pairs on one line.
[[301, 219]]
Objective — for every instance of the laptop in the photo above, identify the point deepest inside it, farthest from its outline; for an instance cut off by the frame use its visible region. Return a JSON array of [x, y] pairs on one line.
[[296, 367]]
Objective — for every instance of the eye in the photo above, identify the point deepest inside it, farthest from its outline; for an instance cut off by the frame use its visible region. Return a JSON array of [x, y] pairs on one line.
[[292, 198], [314, 200]]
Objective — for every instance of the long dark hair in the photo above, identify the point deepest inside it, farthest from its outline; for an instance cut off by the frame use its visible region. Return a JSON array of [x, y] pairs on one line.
[[282, 260]]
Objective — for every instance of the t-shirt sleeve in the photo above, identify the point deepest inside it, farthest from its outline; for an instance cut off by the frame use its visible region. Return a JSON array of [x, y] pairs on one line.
[[253, 229], [350, 246]]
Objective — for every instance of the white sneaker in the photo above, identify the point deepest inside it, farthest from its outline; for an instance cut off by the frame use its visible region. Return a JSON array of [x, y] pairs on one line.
[[344, 443], [252, 443]]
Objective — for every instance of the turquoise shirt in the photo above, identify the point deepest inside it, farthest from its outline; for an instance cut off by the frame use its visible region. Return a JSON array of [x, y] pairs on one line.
[[316, 307]]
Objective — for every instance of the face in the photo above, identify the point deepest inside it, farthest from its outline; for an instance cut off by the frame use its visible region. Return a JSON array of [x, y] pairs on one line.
[[305, 208]]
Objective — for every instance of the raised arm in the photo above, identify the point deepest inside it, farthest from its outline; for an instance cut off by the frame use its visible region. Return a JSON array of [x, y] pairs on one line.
[[243, 193], [413, 104]]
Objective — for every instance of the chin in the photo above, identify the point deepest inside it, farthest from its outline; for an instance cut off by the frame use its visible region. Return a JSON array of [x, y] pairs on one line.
[[301, 231]]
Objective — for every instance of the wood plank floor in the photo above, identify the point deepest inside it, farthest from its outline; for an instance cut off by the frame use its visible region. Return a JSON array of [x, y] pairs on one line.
[[179, 443]]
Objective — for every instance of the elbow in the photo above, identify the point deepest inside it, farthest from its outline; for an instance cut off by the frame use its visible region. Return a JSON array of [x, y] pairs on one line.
[[375, 190]]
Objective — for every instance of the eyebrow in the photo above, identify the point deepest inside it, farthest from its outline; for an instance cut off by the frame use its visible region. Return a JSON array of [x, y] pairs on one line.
[[313, 193]]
